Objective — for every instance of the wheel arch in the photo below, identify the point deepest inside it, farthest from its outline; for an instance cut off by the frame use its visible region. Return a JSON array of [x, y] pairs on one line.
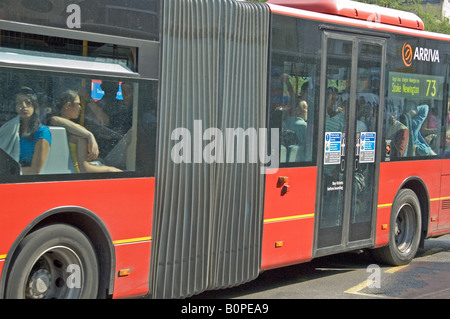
[[91, 225], [418, 186]]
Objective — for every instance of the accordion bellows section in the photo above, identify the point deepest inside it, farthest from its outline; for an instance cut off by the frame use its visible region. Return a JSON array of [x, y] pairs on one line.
[[208, 219]]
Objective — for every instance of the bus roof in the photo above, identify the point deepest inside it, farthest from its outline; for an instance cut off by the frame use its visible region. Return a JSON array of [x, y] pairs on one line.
[[356, 10]]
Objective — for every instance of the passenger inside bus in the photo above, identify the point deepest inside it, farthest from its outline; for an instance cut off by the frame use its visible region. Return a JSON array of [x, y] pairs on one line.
[[24, 138], [110, 118], [297, 123], [69, 108], [430, 126], [397, 133], [75, 129], [365, 108], [335, 118], [414, 119], [360, 119]]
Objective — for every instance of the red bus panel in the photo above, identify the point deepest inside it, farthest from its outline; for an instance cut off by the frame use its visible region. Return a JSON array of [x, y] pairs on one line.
[[127, 216], [289, 216], [423, 176]]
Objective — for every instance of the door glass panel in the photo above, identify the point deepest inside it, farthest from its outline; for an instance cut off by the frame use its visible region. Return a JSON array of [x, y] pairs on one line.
[[367, 107], [338, 73], [352, 103]]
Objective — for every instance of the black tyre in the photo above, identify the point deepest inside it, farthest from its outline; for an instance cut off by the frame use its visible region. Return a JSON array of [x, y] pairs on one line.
[[54, 262], [404, 234]]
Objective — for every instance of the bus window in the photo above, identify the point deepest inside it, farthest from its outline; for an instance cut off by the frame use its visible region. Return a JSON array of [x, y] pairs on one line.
[[84, 135], [292, 113], [292, 107], [411, 125]]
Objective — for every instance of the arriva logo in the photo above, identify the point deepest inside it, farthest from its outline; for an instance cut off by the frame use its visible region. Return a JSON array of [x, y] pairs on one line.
[[420, 54], [407, 54]]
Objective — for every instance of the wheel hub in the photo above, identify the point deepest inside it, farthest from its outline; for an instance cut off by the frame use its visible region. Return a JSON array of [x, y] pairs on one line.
[[39, 284]]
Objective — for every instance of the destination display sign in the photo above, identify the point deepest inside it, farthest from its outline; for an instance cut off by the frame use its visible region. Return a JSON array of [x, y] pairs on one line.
[[416, 86]]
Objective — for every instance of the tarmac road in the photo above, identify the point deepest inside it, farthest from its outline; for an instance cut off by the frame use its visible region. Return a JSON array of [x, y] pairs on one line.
[[353, 276]]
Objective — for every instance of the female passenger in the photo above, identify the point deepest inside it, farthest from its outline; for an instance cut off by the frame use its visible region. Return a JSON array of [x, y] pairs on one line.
[[80, 147], [35, 139]]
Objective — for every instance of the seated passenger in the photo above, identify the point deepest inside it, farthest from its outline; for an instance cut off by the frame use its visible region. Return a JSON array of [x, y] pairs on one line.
[[430, 128], [334, 117], [75, 129], [398, 133], [109, 118], [27, 141], [82, 154], [297, 122], [418, 116]]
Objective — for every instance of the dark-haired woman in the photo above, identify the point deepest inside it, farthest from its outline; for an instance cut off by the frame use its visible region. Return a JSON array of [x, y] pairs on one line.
[[35, 138]]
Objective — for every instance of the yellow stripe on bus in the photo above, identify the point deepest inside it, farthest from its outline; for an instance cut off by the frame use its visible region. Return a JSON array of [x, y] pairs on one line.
[[439, 198], [116, 242], [431, 200], [132, 240], [288, 218]]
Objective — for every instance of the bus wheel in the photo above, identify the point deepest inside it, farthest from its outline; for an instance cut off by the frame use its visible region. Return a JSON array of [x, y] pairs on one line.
[[54, 262], [404, 234]]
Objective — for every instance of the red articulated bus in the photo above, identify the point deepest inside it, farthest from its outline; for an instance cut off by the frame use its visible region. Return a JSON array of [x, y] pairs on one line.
[[164, 148]]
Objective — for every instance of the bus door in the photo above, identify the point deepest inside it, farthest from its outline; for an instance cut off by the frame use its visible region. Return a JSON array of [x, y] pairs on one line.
[[351, 94]]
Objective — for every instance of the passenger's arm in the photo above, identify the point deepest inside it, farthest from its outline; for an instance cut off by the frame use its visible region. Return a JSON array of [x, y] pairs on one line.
[[84, 165], [40, 154], [78, 130]]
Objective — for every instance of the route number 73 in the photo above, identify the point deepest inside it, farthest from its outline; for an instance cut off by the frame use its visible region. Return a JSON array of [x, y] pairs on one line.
[[431, 87]]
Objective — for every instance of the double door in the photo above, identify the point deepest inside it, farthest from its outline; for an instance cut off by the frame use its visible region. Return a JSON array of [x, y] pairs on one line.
[[351, 81]]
